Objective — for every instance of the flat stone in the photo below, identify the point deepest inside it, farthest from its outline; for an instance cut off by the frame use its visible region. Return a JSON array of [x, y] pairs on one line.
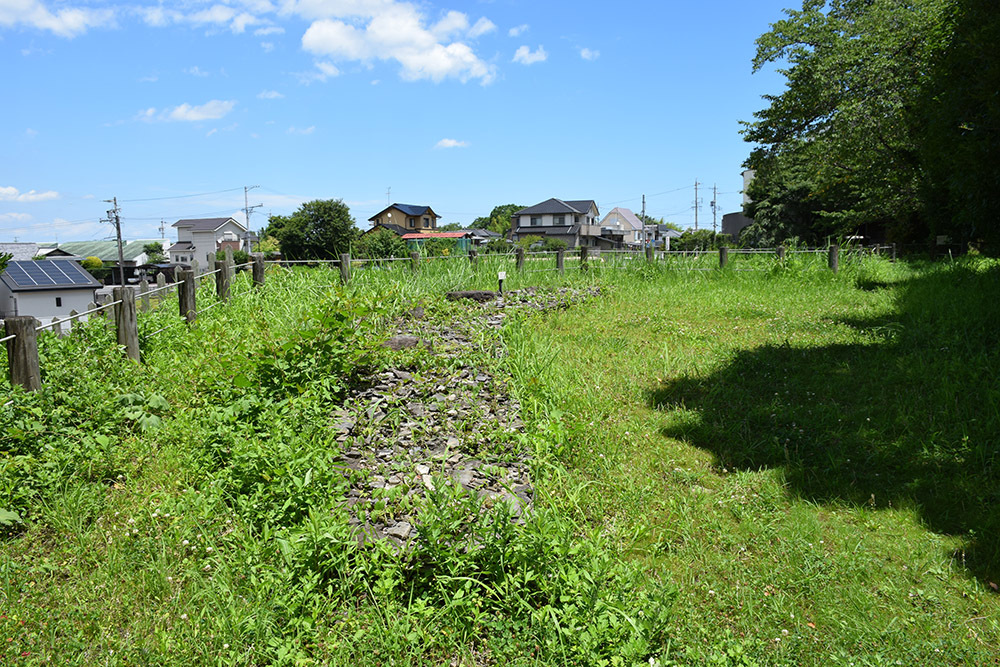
[[402, 342], [401, 530]]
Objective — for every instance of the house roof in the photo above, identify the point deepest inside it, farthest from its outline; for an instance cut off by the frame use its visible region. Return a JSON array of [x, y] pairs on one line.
[[556, 206], [628, 216], [435, 235], [206, 224], [19, 251], [548, 230], [107, 251], [181, 245], [409, 209], [483, 233], [46, 274]]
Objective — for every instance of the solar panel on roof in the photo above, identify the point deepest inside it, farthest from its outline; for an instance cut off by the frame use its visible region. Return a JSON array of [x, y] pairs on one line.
[[46, 273]]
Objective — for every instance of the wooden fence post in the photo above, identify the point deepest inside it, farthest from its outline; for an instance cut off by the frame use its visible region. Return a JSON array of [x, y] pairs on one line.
[[519, 258], [561, 260], [723, 257], [833, 258], [161, 279], [345, 267], [222, 280], [126, 323], [781, 254], [144, 296], [414, 261], [56, 327], [186, 289], [894, 252], [583, 257], [473, 257], [22, 352], [258, 269], [209, 261], [649, 253]]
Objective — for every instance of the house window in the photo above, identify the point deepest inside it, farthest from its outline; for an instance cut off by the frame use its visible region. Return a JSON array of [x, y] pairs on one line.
[[411, 222], [576, 218], [427, 222], [559, 220], [58, 302], [535, 221]]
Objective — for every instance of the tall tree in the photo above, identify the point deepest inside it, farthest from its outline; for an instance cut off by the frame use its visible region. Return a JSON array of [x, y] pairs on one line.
[[498, 220], [844, 136], [319, 229]]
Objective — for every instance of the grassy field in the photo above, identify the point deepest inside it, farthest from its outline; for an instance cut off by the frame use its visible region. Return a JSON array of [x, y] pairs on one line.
[[781, 466]]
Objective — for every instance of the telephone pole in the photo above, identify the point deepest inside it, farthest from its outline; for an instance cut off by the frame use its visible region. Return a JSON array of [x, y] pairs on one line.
[[645, 234], [114, 217], [388, 195], [161, 230], [247, 208], [696, 184], [715, 194]]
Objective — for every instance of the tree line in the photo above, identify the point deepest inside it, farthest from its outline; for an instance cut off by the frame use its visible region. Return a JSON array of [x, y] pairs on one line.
[[888, 126]]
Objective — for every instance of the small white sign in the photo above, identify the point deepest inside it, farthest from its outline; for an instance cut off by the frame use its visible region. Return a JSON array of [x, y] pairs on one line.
[[502, 275]]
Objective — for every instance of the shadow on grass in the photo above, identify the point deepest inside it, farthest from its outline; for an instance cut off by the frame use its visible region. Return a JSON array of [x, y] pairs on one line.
[[911, 419]]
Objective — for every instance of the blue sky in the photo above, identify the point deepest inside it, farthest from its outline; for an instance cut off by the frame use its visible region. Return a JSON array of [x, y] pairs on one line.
[[175, 107]]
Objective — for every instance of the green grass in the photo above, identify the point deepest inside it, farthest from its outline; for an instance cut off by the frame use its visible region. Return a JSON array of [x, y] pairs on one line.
[[811, 459], [778, 466]]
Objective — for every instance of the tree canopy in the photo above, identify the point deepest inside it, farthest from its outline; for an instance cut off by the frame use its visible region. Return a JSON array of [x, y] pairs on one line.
[[499, 218], [861, 140], [319, 229], [380, 244]]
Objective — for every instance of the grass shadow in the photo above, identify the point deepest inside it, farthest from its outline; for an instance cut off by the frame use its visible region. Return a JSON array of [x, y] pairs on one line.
[[909, 419]]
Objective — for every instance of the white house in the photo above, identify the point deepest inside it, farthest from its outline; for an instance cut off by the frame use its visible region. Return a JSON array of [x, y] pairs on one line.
[[573, 221], [201, 237], [45, 289], [622, 221]]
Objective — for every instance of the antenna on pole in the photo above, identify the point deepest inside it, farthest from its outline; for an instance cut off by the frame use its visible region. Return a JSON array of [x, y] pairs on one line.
[[161, 229], [247, 208], [388, 195]]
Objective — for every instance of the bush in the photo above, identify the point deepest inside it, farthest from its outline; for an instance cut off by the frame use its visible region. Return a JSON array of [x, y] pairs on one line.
[[91, 263], [239, 256], [380, 244], [551, 245]]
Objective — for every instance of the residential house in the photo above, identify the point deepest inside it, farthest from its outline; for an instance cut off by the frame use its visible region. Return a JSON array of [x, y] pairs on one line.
[[572, 221], [200, 237], [45, 289], [481, 237], [659, 236], [624, 226], [409, 217], [133, 253]]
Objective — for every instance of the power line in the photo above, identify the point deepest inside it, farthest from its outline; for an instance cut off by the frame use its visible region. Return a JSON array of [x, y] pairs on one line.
[[200, 194]]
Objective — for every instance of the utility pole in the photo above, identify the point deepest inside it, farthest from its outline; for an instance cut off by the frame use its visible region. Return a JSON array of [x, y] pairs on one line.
[[114, 217], [715, 194], [645, 234], [696, 204], [247, 208], [388, 195], [161, 230]]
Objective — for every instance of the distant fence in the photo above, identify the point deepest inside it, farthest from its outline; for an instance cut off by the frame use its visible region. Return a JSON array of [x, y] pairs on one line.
[[21, 332]]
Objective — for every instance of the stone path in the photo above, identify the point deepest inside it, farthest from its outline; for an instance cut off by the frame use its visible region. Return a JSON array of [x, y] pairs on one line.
[[454, 423]]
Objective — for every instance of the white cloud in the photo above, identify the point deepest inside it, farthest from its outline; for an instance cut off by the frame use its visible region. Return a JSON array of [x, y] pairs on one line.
[[451, 143], [323, 71], [65, 22], [212, 131], [196, 71], [482, 26], [270, 30], [10, 193], [395, 31], [517, 30], [219, 15], [14, 217], [211, 110], [269, 95], [152, 78], [267, 46], [301, 130], [589, 54], [526, 56], [31, 133]]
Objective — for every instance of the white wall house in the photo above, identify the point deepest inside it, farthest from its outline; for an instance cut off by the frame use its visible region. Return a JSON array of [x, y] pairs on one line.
[[627, 223], [573, 221], [201, 237], [45, 289]]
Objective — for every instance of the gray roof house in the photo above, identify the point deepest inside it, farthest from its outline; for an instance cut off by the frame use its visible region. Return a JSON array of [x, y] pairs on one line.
[[574, 221], [200, 238], [45, 290]]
